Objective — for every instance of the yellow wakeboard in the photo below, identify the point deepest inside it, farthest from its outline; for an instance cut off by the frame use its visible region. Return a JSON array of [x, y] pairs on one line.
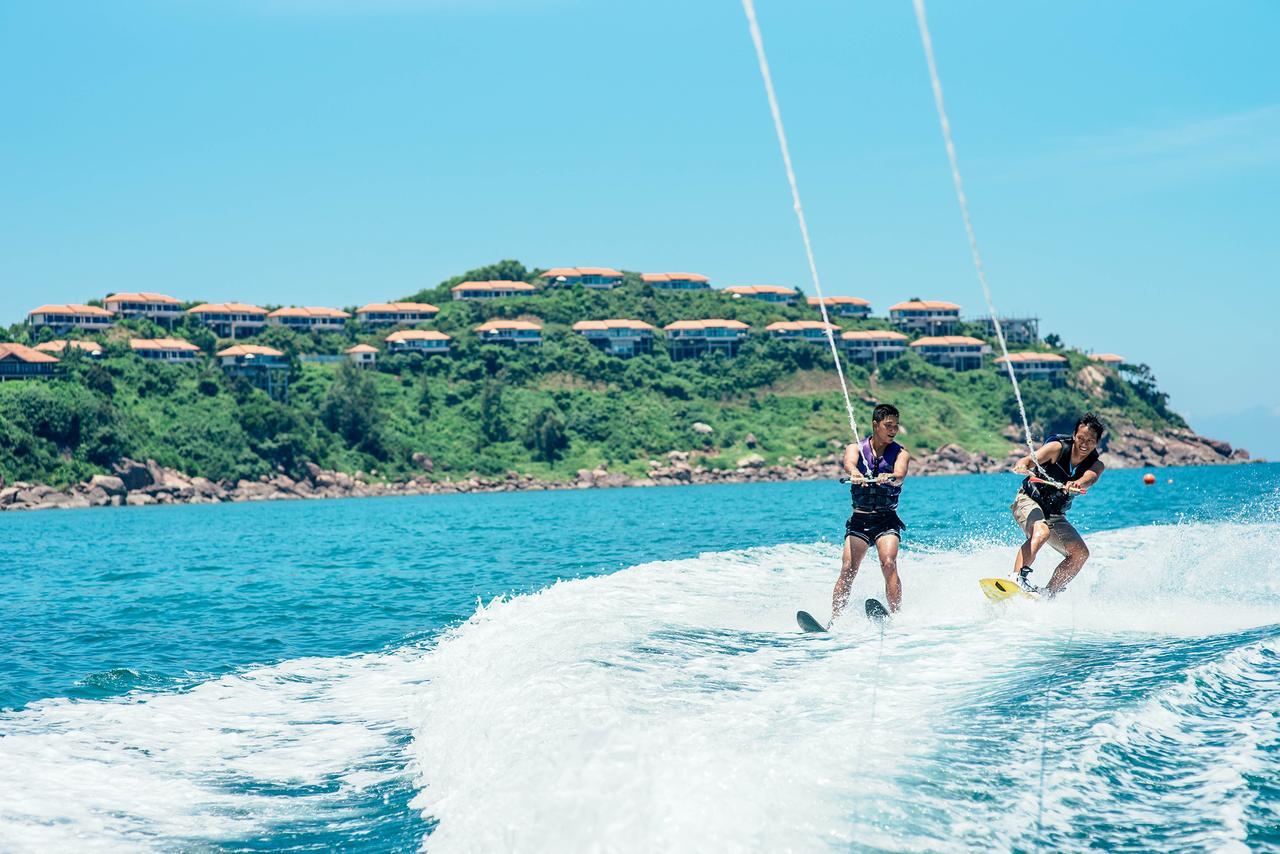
[[1003, 589]]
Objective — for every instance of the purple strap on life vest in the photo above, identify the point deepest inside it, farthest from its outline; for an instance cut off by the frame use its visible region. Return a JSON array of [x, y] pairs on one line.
[[884, 465]]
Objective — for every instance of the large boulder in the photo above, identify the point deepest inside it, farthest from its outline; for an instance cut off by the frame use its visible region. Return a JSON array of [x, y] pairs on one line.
[[751, 461], [134, 474], [703, 428], [110, 484], [139, 499]]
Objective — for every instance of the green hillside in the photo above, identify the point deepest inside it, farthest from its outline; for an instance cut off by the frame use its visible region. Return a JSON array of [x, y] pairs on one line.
[[546, 411]]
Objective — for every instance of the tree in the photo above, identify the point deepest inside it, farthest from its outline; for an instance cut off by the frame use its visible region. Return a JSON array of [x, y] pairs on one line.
[[1053, 340], [546, 435], [493, 421], [351, 409]]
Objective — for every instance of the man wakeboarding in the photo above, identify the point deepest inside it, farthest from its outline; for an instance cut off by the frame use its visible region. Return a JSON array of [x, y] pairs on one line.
[[876, 467], [1040, 507]]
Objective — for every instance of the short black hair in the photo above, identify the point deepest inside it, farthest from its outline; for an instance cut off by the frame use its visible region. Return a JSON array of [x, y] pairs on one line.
[[1091, 421], [883, 411]]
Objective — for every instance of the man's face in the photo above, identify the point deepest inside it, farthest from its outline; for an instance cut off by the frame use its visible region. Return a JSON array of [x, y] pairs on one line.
[[886, 428], [1084, 438]]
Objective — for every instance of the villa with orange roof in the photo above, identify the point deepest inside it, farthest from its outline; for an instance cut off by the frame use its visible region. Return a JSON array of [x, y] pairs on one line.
[[814, 331], [688, 338], [617, 337], [19, 362], [309, 318], [676, 281], [765, 293], [265, 367], [90, 318], [421, 341], [842, 306], [518, 333], [230, 319], [491, 290], [1107, 358], [873, 345], [957, 352], [60, 345], [362, 355], [927, 317], [164, 349], [396, 313], [604, 278], [1037, 366], [158, 307]]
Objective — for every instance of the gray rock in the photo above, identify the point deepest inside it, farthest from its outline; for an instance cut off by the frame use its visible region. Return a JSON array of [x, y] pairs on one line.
[[139, 499], [313, 471], [422, 461], [98, 497], [751, 461], [750, 441], [703, 428], [109, 484], [8, 495], [134, 474]]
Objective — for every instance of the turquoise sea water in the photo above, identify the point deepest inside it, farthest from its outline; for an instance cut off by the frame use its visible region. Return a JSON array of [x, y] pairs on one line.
[[620, 670]]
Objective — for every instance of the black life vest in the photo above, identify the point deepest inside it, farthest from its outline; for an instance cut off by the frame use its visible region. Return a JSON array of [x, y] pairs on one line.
[[876, 497], [1052, 500]]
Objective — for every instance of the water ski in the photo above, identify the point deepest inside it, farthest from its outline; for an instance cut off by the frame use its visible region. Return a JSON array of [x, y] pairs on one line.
[[875, 611], [1003, 589], [808, 623]]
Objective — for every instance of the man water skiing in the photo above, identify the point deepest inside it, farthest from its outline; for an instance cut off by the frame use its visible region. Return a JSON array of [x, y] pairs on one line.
[[1040, 508], [876, 466]]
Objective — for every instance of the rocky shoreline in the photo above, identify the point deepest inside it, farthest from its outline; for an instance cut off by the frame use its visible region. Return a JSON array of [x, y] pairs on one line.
[[136, 483]]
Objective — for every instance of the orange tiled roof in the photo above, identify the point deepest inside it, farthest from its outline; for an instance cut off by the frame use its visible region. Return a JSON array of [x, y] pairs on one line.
[[161, 344], [361, 348], [873, 335], [497, 324], [570, 272], [838, 301], [72, 308], [799, 325], [497, 285], [308, 311], [417, 335], [714, 323], [23, 353], [668, 277], [1110, 358], [61, 345], [1030, 356], [947, 341], [923, 304], [250, 350], [226, 308], [746, 290], [592, 325], [145, 296], [396, 306]]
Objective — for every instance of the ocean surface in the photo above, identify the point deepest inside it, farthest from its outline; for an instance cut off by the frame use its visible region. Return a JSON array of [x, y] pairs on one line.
[[621, 670]]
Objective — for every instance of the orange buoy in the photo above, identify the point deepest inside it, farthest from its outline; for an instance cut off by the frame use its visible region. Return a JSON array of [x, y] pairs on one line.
[[1148, 478]]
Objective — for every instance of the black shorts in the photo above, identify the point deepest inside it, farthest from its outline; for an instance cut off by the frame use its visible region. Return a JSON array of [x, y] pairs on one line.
[[870, 527]]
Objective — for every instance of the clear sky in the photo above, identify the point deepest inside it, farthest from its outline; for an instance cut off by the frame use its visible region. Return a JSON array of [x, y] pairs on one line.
[[1122, 159]]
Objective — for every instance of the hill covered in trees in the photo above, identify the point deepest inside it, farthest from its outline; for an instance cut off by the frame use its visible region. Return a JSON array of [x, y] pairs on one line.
[[547, 410]]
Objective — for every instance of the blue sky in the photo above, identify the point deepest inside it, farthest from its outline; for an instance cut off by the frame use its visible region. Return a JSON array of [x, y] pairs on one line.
[[1122, 159]]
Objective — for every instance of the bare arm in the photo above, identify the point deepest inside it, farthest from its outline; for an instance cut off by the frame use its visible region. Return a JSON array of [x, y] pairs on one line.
[[901, 465], [851, 453], [1044, 455], [1087, 479]]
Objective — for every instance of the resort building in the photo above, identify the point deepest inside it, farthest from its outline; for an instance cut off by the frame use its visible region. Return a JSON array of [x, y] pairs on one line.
[[604, 278], [89, 348], [73, 316], [424, 341], [617, 337], [814, 331], [842, 306], [927, 317], [396, 313], [19, 362], [1107, 358], [1017, 330], [157, 307], [491, 290], [230, 319], [687, 338], [517, 333], [309, 318], [164, 349], [362, 355], [957, 352], [676, 281], [873, 345], [1037, 366], [767, 293], [265, 367]]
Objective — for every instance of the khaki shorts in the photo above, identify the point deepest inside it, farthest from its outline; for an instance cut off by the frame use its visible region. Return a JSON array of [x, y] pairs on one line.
[[1062, 536]]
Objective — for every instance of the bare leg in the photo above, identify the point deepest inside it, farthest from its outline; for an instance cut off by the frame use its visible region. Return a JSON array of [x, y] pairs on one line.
[[854, 550], [1027, 554], [887, 546], [1071, 564]]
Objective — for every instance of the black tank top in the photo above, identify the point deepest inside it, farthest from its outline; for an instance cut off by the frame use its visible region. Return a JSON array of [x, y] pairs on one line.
[[1054, 501]]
